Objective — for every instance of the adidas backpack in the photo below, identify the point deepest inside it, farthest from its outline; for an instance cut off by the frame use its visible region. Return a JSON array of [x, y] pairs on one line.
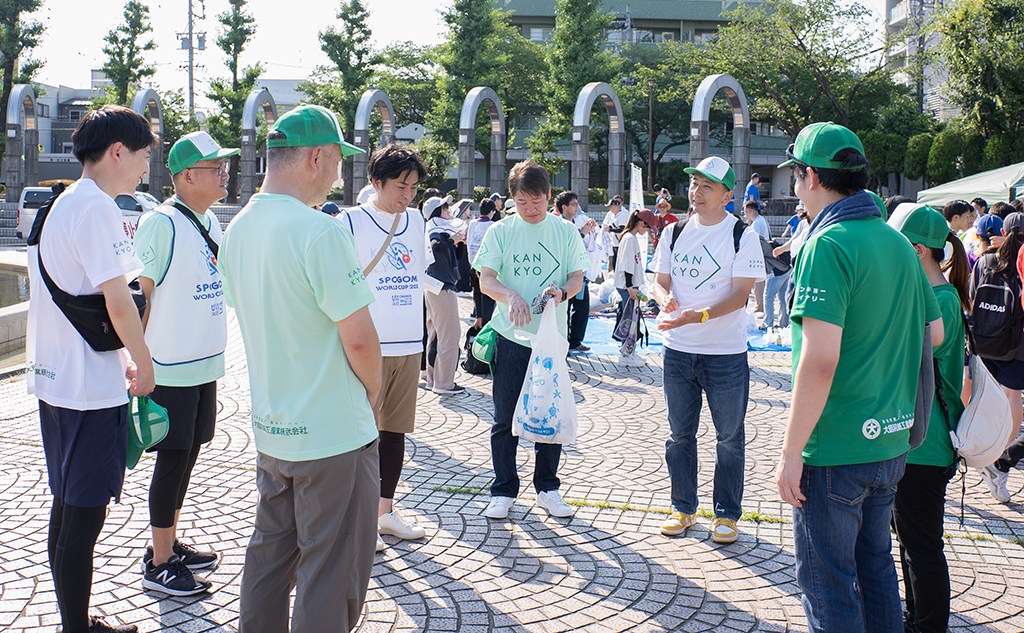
[[997, 317]]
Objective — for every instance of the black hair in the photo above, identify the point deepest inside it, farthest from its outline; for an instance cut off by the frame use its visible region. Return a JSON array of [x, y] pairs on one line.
[[437, 212], [1001, 210], [487, 207], [1009, 250], [393, 160], [280, 155], [894, 201], [563, 199], [851, 177], [954, 208], [1018, 205], [632, 222], [530, 178], [99, 129], [433, 192], [752, 204], [980, 202]]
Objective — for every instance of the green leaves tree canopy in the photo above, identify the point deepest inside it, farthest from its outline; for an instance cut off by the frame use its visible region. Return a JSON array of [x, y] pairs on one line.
[[126, 64]]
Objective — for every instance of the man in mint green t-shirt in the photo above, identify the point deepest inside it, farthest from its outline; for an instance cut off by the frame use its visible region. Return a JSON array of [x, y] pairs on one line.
[[859, 312], [520, 257], [314, 371]]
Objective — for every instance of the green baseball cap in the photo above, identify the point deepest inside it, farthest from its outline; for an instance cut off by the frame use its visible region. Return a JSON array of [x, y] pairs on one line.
[[818, 143], [194, 147], [308, 126], [920, 224], [147, 426], [716, 169]]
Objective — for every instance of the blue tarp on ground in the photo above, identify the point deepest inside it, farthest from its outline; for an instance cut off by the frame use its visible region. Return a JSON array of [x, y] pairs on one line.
[[599, 338]]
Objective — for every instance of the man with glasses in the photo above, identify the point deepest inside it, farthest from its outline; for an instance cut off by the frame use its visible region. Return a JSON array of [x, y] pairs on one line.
[[186, 331], [858, 321]]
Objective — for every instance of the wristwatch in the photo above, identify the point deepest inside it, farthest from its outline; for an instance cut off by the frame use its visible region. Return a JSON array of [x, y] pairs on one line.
[[564, 294]]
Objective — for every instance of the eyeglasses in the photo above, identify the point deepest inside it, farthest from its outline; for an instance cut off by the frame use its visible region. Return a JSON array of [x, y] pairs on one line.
[[222, 170]]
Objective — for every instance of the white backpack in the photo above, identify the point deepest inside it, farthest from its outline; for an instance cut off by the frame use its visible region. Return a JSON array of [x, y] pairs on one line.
[[984, 429]]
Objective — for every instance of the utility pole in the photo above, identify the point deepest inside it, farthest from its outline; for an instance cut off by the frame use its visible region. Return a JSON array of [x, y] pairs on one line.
[[650, 133], [187, 44]]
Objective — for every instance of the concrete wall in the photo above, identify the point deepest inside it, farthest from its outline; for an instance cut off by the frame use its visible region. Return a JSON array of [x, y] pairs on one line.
[[13, 324]]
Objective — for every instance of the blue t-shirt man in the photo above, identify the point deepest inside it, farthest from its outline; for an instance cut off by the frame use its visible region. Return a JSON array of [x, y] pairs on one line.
[[752, 192]]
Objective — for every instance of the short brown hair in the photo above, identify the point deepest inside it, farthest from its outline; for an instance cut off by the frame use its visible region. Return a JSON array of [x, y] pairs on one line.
[[530, 178]]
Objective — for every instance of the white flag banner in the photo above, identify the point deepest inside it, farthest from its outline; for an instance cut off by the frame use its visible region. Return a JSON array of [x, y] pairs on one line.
[[636, 188], [636, 203]]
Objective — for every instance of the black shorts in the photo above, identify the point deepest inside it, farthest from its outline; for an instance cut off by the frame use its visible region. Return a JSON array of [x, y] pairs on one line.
[[193, 415], [1008, 373], [85, 453]]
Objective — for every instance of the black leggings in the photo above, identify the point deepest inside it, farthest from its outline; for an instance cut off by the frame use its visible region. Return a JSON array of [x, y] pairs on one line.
[[170, 481], [72, 538], [392, 454]]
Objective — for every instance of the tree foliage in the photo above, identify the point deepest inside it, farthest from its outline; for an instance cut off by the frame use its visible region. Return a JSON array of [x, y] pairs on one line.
[[915, 162], [983, 49], [408, 73], [576, 57], [801, 63], [18, 36], [438, 158], [230, 94], [340, 86], [177, 122], [944, 156], [126, 64]]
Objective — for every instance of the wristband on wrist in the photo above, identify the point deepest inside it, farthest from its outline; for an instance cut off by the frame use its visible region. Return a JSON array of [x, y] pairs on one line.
[[565, 295], [704, 316]]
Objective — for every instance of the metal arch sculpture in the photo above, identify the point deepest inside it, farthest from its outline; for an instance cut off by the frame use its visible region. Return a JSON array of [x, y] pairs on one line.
[[259, 99], [581, 140], [147, 103], [481, 95], [700, 126], [21, 159], [372, 98]]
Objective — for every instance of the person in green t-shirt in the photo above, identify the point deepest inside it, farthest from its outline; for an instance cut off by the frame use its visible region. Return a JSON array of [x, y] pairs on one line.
[[314, 362], [921, 496], [524, 255], [860, 304]]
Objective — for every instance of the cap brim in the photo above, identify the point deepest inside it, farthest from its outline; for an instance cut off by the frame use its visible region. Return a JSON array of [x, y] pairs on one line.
[[223, 152], [788, 163], [348, 149], [694, 170]]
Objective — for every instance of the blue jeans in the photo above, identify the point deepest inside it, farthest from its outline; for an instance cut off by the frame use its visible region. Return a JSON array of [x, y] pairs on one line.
[[725, 380], [776, 287], [510, 363], [844, 563]]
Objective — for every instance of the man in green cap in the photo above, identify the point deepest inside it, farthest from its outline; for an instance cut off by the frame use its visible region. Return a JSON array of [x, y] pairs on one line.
[[186, 330], [859, 311], [704, 274], [314, 358]]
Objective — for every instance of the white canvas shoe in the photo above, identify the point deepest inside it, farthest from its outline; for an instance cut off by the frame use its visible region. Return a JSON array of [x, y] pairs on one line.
[[498, 507]]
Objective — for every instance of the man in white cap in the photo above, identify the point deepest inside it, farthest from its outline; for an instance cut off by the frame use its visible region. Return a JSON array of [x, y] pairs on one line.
[[314, 361], [704, 275], [186, 330]]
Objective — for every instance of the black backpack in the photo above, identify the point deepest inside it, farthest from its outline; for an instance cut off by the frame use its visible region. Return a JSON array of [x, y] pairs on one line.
[[997, 317]]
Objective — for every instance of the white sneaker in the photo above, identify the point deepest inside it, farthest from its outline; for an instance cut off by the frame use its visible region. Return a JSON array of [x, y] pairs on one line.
[[395, 524], [498, 507], [552, 502], [995, 480], [632, 360], [380, 544]]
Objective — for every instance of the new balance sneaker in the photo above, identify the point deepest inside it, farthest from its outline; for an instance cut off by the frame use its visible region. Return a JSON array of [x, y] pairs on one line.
[[96, 625], [454, 390], [174, 578], [395, 524], [380, 544], [678, 523], [553, 503], [995, 480], [724, 531], [498, 507], [193, 558]]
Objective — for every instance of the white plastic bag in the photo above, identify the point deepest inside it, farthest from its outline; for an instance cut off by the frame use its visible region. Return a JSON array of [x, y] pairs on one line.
[[546, 410]]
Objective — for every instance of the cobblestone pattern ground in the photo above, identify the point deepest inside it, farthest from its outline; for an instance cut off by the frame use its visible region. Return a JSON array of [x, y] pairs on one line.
[[606, 569]]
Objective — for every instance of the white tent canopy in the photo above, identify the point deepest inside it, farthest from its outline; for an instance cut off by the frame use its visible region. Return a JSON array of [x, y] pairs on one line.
[[998, 185]]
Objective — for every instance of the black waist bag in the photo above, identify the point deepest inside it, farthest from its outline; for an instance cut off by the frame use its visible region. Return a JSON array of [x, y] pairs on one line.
[[87, 313]]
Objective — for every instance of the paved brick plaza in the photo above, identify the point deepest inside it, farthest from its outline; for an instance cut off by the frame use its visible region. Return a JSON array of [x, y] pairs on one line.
[[606, 569]]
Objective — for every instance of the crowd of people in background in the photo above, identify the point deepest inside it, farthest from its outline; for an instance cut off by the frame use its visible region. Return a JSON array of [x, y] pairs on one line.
[[343, 311]]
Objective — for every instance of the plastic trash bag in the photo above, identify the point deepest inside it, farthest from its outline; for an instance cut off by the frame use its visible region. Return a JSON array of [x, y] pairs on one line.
[[546, 410]]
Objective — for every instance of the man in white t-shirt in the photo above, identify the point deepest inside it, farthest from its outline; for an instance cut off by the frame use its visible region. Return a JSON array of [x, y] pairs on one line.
[[752, 214], [396, 282], [314, 362], [83, 406], [186, 328], [703, 279]]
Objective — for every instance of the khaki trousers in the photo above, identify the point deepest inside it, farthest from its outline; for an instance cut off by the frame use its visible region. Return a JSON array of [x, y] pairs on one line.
[[443, 322]]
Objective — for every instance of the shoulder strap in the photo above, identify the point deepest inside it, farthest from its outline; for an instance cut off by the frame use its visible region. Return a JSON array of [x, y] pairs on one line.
[[37, 225], [737, 233], [677, 230], [199, 225], [384, 246]]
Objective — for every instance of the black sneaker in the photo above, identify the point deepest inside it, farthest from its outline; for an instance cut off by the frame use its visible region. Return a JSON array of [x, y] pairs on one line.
[[193, 558], [174, 578], [580, 348], [97, 625]]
